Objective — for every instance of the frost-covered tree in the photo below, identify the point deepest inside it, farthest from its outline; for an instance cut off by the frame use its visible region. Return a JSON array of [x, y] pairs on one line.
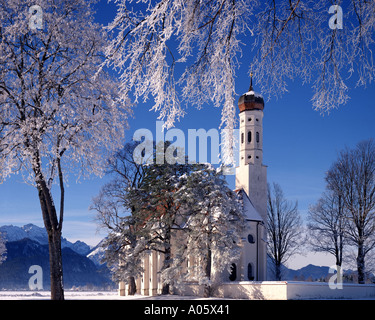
[[213, 226], [352, 176], [58, 114], [189, 51], [284, 229]]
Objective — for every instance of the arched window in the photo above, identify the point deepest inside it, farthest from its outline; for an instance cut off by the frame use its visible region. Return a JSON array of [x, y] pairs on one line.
[[257, 137], [233, 272], [249, 137], [250, 275], [250, 238], [242, 137]]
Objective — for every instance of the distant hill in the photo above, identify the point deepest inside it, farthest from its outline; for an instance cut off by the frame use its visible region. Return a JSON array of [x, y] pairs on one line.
[[28, 245], [38, 234], [309, 272], [315, 273]]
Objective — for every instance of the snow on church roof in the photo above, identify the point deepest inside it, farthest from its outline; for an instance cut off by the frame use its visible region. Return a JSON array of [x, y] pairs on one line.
[[248, 208]]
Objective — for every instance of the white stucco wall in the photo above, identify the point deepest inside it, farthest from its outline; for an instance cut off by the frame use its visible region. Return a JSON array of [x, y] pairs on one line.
[[283, 290]]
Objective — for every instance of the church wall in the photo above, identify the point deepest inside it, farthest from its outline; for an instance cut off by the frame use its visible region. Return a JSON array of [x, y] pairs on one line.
[[249, 273], [283, 290]]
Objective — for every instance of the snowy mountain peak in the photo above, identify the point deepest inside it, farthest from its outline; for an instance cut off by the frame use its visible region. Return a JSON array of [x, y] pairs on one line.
[[31, 231]]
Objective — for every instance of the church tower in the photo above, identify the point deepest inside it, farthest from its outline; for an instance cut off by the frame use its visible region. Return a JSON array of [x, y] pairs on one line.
[[251, 174], [251, 186]]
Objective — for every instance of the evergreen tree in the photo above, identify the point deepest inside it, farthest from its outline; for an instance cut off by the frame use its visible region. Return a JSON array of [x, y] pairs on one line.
[[213, 225], [157, 211]]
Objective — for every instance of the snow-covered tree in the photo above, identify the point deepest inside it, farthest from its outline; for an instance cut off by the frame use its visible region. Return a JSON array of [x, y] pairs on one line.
[[189, 51], [58, 113], [212, 228], [157, 211]]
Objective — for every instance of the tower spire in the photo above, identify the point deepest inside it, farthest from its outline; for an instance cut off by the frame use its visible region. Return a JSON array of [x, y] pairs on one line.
[[251, 81]]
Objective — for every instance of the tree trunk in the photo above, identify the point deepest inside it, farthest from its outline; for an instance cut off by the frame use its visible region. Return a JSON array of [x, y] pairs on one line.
[[278, 271], [55, 261], [207, 287], [361, 264], [132, 288], [53, 228], [167, 259], [207, 291]]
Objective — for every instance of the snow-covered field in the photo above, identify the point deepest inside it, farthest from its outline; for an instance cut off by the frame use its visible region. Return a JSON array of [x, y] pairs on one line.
[[86, 295], [104, 295]]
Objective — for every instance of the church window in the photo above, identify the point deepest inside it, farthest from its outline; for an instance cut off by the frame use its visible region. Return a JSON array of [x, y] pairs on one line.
[[249, 137], [242, 137], [250, 238], [249, 119], [233, 272], [249, 157], [257, 137], [250, 275]]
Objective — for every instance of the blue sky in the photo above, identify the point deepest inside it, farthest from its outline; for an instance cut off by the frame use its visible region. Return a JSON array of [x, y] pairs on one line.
[[299, 146]]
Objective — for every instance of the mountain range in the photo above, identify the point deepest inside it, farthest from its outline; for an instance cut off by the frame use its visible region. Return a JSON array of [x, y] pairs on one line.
[[28, 245]]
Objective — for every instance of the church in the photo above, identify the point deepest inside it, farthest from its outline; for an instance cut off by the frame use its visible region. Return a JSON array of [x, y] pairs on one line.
[[251, 188]]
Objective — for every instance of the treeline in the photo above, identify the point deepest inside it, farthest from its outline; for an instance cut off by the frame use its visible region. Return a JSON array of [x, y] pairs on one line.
[[341, 223]]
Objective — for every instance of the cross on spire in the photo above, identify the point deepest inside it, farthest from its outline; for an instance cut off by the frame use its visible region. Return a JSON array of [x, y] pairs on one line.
[[251, 81]]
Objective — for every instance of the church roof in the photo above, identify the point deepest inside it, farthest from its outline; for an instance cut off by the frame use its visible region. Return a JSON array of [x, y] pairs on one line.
[[251, 100], [249, 210]]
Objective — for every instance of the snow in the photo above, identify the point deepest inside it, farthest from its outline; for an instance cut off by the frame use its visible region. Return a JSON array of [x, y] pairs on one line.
[[111, 295], [33, 232], [91, 295], [96, 255], [249, 210], [253, 93]]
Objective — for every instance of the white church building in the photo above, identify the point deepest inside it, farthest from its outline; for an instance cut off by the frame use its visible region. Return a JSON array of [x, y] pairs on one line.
[[247, 279], [251, 188]]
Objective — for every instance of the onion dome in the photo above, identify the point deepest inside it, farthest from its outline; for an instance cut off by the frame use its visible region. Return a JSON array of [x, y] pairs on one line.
[[251, 100]]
